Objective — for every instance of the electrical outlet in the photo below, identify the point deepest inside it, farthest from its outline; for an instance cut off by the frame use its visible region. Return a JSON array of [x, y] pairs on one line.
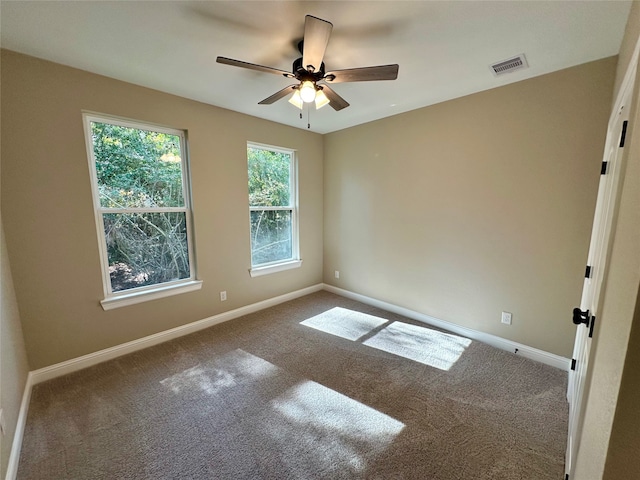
[[506, 318], [337, 273], [223, 296]]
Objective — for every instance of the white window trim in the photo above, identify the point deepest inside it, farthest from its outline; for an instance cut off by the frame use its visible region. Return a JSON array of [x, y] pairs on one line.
[[295, 261], [152, 292], [264, 269], [160, 291]]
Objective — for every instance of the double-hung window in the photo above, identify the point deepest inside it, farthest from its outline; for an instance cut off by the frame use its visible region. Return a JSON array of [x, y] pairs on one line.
[[273, 209], [140, 185]]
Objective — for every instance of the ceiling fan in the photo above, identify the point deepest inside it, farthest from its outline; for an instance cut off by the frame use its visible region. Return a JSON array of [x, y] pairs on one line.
[[309, 71]]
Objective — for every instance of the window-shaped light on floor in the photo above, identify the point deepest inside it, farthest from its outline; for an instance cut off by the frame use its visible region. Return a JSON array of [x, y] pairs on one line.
[[414, 342], [430, 347], [345, 323]]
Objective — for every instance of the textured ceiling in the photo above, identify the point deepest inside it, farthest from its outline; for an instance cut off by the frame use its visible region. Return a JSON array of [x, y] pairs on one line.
[[444, 49]]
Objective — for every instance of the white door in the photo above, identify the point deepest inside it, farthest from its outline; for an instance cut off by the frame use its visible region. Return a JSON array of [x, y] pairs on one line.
[[586, 316]]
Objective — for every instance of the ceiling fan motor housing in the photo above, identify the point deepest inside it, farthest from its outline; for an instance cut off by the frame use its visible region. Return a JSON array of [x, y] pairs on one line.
[[303, 74]]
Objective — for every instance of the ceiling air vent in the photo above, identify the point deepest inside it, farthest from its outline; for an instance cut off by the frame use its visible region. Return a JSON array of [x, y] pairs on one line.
[[510, 65]]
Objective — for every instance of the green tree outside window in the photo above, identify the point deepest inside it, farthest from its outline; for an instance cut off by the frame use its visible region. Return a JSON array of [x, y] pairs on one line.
[[142, 202], [271, 208]]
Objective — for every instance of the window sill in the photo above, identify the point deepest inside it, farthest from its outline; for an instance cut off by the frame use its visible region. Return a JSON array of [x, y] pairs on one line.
[[125, 299], [279, 267]]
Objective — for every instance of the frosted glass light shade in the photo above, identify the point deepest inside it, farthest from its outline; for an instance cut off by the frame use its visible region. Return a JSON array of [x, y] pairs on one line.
[[296, 100], [321, 99], [307, 91]]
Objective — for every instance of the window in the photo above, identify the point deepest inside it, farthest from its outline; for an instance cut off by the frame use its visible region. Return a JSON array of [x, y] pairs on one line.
[[273, 209], [141, 196]]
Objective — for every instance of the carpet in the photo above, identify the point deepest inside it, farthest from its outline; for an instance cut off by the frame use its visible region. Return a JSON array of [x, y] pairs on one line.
[[321, 387]]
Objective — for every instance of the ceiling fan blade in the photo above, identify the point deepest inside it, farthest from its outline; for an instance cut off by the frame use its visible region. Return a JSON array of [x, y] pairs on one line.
[[364, 74], [278, 95], [335, 100], [316, 38], [252, 66]]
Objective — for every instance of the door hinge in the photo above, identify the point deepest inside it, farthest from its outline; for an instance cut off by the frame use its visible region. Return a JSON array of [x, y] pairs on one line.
[[624, 133], [587, 272], [566, 477], [603, 169], [593, 322], [573, 363]]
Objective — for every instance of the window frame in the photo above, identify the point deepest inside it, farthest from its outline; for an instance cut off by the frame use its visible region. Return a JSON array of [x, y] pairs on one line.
[[294, 261], [149, 292]]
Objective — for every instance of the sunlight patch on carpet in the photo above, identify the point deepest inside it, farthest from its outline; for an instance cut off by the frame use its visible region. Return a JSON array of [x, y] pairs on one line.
[[420, 344], [345, 323], [332, 433], [225, 372], [193, 378], [339, 429], [436, 349]]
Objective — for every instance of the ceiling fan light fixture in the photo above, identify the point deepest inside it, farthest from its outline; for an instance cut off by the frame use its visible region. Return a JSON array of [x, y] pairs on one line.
[[321, 99], [307, 91], [312, 47], [295, 99]]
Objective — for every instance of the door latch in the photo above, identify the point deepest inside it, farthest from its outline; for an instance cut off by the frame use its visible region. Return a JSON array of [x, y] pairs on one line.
[[580, 317]]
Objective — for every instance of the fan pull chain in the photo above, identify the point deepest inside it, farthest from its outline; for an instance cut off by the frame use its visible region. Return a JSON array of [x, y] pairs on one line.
[[308, 108]]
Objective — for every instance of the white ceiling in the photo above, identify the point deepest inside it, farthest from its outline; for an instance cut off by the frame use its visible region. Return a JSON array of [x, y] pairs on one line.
[[444, 49]]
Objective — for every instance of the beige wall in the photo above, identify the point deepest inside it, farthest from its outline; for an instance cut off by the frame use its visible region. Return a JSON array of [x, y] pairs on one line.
[[477, 205], [623, 460], [49, 221], [14, 368], [13, 358]]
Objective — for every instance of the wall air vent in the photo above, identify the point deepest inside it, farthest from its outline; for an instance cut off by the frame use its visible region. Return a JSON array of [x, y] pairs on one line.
[[510, 65]]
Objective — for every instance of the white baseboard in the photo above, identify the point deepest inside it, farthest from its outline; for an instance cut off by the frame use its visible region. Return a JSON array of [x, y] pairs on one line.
[[75, 364], [16, 446], [498, 342]]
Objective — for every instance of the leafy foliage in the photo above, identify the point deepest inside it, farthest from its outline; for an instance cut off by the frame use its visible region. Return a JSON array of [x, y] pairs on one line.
[[137, 168], [269, 173], [270, 186], [141, 169]]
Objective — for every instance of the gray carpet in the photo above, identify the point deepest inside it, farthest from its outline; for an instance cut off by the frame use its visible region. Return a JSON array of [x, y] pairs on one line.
[[321, 387]]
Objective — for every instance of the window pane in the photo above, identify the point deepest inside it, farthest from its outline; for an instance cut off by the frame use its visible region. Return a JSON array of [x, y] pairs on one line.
[[269, 182], [146, 248], [137, 168], [270, 236]]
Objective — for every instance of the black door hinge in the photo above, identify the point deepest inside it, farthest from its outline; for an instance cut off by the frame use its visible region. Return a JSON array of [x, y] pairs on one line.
[[603, 169], [573, 363], [624, 133], [587, 272], [593, 322]]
